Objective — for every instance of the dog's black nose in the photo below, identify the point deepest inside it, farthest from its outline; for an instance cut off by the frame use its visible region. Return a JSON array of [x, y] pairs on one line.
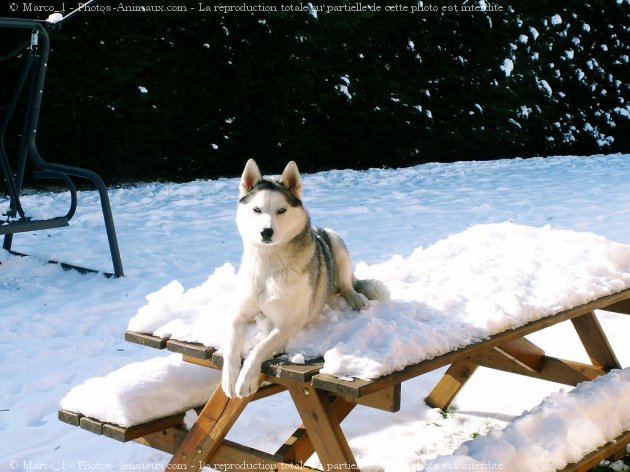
[[267, 234]]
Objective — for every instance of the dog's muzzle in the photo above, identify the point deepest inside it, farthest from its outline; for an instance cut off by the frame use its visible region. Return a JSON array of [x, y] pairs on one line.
[[266, 235]]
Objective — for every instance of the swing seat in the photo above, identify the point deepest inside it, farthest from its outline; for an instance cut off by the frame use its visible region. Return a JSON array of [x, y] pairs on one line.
[[25, 225]]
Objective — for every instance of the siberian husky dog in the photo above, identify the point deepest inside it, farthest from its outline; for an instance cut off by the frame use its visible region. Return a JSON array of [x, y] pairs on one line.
[[288, 272]]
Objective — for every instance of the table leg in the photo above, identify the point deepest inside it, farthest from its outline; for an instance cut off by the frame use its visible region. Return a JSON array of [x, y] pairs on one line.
[[595, 341], [450, 384], [208, 432], [298, 448], [322, 426]]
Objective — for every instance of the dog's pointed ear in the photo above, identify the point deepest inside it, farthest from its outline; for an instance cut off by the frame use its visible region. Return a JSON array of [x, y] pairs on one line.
[[251, 176], [292, 180]]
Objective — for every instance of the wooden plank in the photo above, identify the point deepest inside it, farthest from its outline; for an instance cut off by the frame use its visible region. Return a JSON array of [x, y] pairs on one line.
[[608, 450], [190, 349], [123, 434], [202, 362], [450, 384], [268, 390], [69, 417], [167, 440], [524, 352], [553, 369], [263, 392], [595, 341], [233, 453], [323, 427], [387, 399], [358, 387], [228, 452], [283, 370], [622, 307], [298, 447], [206, 435], [289, 372], [145, 339], [92, 425]]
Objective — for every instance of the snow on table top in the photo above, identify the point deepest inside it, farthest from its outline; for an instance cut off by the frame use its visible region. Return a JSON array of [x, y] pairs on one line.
[[460, 290], [561, 430], [143, 391]]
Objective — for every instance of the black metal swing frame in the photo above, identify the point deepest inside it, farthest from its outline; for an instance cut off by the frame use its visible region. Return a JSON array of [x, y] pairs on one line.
[[35, 66]]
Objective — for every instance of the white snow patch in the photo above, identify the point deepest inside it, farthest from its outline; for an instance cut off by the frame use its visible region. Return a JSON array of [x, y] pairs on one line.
[[564, 428], [312, 10], [625, 112], [544, 86], [524, 111], [344, 89], [580, 74], [556, 20], [54, 18], [143, 391], [507, 67], [143, 89]]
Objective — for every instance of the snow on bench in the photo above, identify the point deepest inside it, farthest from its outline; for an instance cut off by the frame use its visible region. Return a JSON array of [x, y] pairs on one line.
[[141, 392], [459, 291], [562, 430]]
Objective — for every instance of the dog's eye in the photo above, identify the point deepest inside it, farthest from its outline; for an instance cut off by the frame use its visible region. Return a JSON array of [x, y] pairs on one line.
[[257, 210], [281, 211]]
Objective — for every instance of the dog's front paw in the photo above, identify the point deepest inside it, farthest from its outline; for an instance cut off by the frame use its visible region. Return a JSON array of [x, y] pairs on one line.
[[356, 300], [248, 381], [229, 377]]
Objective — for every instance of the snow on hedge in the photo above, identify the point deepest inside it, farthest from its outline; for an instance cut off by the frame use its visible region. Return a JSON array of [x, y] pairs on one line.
[[561, 430], [461, 290]]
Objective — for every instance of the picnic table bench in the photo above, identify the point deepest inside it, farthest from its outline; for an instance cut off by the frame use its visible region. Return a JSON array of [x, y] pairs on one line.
[[323, 401]]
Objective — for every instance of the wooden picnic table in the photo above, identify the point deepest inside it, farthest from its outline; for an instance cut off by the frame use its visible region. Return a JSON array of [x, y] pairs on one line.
[[323, 401]]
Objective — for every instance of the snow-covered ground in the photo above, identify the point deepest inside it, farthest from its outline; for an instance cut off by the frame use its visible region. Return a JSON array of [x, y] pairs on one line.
[[58, 328]]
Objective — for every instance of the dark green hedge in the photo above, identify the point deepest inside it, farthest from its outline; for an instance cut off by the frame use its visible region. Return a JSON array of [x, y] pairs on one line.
[[333, 90]]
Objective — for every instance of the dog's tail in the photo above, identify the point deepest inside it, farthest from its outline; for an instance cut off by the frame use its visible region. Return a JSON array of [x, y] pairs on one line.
[[373, 289]]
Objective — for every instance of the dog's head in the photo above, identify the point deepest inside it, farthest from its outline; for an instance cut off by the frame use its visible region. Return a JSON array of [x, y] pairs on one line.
[[270, 212]]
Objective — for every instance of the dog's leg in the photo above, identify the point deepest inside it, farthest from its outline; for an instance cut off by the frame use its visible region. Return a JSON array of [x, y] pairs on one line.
[[232, 358], [247, 312], [247, 382], [345, 276]]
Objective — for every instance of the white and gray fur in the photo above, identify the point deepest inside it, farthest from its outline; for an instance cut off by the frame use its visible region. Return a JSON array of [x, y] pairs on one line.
[[288, 272]]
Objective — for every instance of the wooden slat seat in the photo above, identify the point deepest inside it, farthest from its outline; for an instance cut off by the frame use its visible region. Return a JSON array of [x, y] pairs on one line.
[[120, 433]]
